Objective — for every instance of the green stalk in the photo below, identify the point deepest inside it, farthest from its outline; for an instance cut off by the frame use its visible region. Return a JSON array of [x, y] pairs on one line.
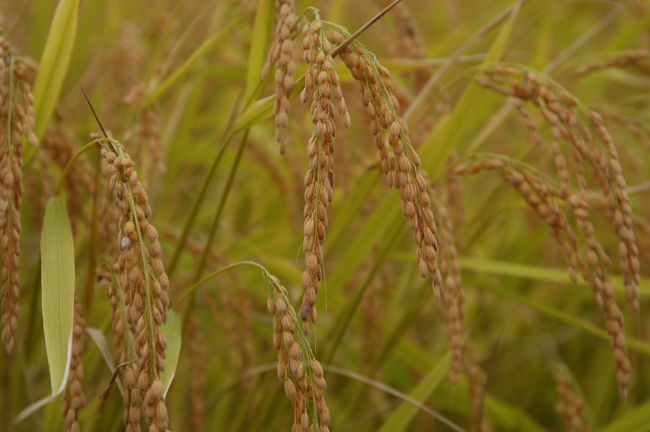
[[336, 335], [221, 206], [68, 166], [190, 291], [196, 205], [215, 225]]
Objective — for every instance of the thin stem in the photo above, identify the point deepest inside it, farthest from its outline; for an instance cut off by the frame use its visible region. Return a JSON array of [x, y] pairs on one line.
[[364, 27], [222, 205], [216, 273], [196, 205], [70, 164], [337, 334], [422, 96], [393, 391], [92, 109], [270, 367]]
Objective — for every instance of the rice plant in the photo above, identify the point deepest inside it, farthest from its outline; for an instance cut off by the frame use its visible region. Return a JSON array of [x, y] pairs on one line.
[[204, 210]]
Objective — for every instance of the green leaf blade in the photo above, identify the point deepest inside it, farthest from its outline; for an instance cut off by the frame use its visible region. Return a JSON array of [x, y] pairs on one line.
[[172, 329], [261, 37], [401, 417], [54, 62], [57, 298], [57, 283]]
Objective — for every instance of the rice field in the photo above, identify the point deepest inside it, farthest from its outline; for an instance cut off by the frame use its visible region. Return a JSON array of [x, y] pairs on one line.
[[317, 216]]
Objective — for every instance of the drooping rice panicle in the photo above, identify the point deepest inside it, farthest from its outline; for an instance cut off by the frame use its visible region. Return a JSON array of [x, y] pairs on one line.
[[281, 60], [74, 397], [565, 116], [302, 374], [453, 298], [636, 58], [322, 87], [541, 197], [570, 405], [143, 283], [400, 161], [16, 124]]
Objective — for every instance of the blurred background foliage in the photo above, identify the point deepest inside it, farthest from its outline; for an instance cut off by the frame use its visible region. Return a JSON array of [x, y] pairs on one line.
[[523, 315]]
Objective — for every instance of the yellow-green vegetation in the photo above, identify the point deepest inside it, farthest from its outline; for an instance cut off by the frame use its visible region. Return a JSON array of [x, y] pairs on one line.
[[205, 210]]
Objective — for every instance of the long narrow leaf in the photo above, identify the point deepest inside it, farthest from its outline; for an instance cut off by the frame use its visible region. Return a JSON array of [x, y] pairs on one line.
[[173, 333], [54, 62], [567, 318], [259, 46], [57, 285], [190, 62], [450, 128], [400, 419], [637, 419]]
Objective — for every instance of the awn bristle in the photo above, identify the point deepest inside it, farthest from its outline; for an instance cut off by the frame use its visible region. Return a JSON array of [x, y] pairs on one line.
[[570, 405], [144, 284], [74, 398], [323, 88], [281, 59], [302, 374], [16, 123]]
